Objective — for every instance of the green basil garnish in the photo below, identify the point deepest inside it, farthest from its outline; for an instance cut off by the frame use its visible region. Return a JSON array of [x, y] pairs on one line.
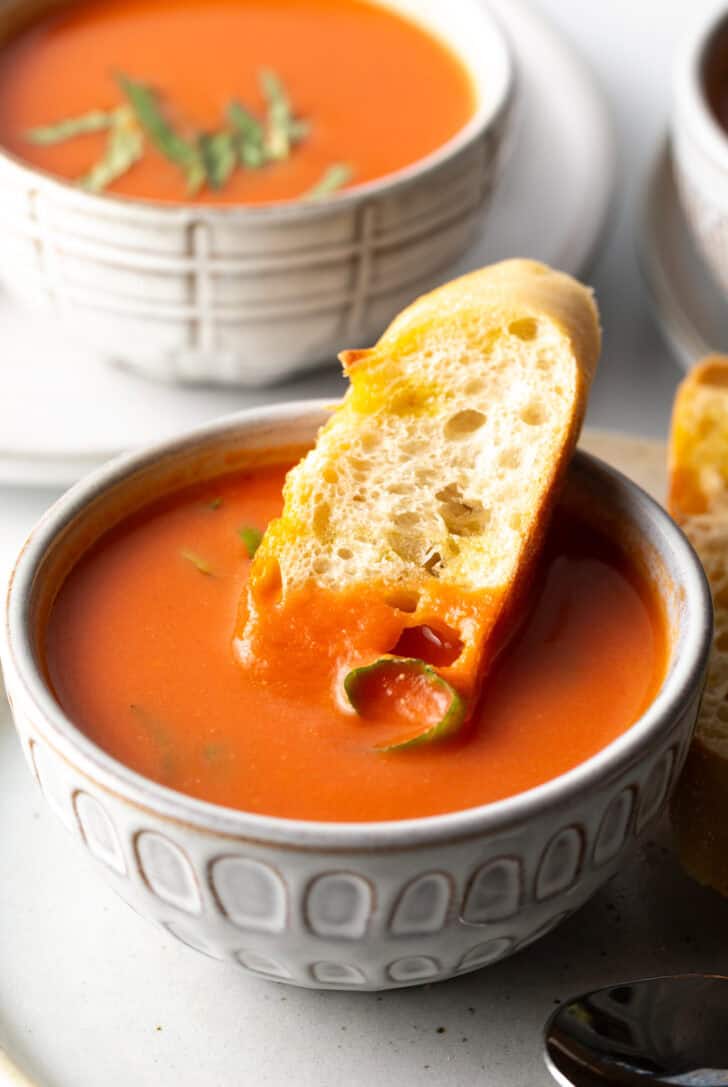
[[392, 668], [334, 178], [205, 158], [251, 537], [218, 157], [161, 132], [250, 136], [95, 121], [159, 737], [284, 130], [124, 147], [198, 562]]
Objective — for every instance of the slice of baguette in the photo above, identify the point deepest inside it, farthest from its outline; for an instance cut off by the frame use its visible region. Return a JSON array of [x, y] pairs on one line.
[[698, 500], [427, 494]]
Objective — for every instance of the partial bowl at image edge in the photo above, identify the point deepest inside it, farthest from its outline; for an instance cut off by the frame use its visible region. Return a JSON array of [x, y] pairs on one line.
[[699, 143]]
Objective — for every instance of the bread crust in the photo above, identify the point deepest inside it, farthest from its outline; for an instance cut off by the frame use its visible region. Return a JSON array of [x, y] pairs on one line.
[[698, 501]]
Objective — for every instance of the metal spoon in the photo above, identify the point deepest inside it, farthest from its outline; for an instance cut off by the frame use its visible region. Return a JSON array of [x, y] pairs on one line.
[[671, 1030]]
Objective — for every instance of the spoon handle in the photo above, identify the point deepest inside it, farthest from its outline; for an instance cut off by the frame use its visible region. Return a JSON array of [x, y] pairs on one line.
[[10, 1074]]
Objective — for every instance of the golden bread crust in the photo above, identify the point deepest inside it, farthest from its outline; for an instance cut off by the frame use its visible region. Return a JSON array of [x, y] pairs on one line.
[[698, 500]]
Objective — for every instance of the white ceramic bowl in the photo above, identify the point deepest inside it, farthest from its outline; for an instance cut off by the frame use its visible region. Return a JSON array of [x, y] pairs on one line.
[[700, 145], [367, 905], [254, 295]]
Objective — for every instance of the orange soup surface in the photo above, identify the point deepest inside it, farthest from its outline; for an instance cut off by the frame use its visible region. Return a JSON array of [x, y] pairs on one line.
[[139, 652], [376, 91]]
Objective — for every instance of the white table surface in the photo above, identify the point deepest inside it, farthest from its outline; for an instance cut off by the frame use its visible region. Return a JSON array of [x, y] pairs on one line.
[[310, 1038]]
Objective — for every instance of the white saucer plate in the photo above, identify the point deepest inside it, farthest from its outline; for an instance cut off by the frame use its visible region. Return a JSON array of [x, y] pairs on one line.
[[63, 411], [689, 305]]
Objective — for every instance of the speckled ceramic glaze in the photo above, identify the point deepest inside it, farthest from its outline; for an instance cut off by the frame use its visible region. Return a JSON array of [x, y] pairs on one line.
[[700, 146], [361, 906], [253, 295]]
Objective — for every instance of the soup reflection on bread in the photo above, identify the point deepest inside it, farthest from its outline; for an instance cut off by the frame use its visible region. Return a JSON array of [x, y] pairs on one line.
[[241, 101], [139, 652]]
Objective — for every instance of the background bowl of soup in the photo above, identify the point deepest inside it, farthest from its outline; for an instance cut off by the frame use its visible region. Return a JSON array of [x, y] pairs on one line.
[[405, 874], [252, 281]]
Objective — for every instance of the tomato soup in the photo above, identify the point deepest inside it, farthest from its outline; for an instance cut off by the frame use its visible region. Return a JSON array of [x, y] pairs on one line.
[[139, 652], [369, 93]]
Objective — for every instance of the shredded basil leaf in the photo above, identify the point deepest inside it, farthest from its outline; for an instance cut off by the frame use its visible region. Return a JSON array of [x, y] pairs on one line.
[[278, 144], [95, 121], [124, 147], [452, 719], [162, 134], [198, 562], [284, 130], [160, 738], [204, 158], [251, 537], [250, 136], [333, 179], [218, 157]]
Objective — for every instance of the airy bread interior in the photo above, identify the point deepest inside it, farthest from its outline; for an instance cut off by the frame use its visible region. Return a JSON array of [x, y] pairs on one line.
[[442, 481]]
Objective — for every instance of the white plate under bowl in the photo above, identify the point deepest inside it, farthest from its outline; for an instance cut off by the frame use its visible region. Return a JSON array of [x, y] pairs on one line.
[[63, 411], [689, 305]]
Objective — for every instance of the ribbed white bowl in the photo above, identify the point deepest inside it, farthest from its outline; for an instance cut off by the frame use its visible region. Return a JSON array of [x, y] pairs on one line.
[[253, 295], [368, 905]]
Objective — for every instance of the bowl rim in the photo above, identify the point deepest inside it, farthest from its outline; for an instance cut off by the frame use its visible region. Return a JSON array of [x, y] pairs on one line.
[[25, 678], [692, 112], [487, 113]]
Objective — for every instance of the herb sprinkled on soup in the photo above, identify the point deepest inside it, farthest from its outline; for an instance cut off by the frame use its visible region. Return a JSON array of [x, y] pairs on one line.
[[140, 654], [236, 101]]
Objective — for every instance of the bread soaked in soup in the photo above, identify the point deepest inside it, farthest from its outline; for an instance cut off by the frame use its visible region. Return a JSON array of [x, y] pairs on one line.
[[417, 516]]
